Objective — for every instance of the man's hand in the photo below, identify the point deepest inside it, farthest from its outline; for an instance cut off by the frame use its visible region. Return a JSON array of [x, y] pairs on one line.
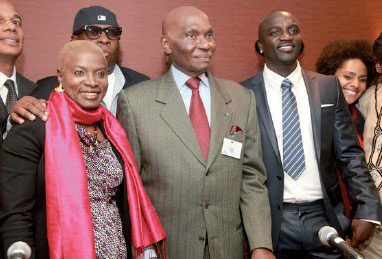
[[260, 253], [362, 231], [28, 107]]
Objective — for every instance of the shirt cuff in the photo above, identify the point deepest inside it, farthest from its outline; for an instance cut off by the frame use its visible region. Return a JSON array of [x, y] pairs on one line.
[[378, 223], [149, 253]]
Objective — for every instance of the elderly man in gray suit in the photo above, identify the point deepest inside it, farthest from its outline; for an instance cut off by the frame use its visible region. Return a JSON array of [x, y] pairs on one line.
[[197, 143]]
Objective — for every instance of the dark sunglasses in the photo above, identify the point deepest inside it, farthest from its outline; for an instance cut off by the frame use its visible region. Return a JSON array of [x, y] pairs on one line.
[[94, 32]]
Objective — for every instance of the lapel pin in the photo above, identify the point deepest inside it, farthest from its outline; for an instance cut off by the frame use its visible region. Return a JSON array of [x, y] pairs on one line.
[[226, 115]]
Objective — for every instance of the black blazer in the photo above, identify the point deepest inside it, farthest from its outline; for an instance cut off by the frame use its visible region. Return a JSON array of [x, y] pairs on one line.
[[24, 87], [334, 136], [47, 84], [22, 190]]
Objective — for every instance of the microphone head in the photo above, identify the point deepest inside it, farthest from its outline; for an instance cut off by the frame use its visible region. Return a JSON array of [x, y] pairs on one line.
[[19, 247], [325, 233]]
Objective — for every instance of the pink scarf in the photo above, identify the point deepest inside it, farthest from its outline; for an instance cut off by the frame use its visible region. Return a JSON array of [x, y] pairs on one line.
[[69, 220]]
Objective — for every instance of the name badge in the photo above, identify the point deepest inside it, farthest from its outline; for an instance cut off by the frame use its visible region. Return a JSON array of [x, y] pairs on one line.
[[231, 148]]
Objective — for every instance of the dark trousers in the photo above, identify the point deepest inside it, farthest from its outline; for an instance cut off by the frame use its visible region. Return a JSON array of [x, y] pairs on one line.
[[299, 232]]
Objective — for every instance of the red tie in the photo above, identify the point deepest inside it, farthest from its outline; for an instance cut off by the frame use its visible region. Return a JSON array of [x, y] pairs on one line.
[[198, 116]]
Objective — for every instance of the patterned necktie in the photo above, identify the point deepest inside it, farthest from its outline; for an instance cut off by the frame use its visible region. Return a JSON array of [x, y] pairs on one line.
[[198, 116], [12, 96], [293, 151]]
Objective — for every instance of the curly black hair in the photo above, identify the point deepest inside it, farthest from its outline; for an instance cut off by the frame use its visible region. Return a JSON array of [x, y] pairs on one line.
[[335, 53]]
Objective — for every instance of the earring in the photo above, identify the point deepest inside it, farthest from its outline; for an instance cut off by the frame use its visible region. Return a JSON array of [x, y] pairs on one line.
[[261, 51], [59, 88]]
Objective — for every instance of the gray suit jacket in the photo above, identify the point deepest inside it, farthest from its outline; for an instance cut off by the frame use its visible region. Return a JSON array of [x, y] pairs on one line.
[[25, 86], [334, 138], [198, 200]]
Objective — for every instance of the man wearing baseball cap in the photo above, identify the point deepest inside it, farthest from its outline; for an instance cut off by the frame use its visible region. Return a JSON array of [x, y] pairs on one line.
[[97, 24]]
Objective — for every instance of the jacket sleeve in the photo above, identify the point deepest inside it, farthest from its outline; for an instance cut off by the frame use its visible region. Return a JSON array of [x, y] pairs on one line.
[[20, 156], [254, 197]]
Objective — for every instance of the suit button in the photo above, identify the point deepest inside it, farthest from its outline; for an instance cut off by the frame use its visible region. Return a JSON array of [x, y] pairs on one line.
[[279, 177], [206, 205], [201, 239], [278, 205]]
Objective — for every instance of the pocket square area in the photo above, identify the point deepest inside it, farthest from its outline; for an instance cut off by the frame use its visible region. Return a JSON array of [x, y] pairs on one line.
[[326, 105]]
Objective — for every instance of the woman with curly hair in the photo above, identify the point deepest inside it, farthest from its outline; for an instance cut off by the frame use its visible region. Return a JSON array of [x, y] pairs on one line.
[[352, 63]]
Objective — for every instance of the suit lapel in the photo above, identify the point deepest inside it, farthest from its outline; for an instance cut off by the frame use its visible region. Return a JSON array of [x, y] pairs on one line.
[[3, 118], [22, 87], [263, 111], [219, 123], [128, 79], [175, 115], [313, 91]]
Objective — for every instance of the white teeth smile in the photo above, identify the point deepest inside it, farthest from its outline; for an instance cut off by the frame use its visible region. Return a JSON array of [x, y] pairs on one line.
[[288, 48], [350, 92], [9, 40], [90, 95]]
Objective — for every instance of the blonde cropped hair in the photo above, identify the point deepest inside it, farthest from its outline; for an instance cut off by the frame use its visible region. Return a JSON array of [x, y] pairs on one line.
[[76, 47]]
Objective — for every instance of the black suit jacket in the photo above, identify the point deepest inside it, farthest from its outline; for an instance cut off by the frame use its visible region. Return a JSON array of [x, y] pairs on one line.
[[334, 136], [47, 84], [22, 190], [24, 87]]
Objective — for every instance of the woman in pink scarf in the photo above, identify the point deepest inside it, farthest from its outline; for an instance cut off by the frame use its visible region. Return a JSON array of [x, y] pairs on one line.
[[69, 188]]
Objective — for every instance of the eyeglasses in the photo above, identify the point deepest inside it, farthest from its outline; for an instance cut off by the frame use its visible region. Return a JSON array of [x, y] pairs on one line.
[[94, 32]]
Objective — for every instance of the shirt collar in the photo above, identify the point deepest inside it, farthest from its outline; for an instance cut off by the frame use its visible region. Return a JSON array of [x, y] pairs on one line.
[[119, 77], [4, 78], [181, 78], [275, 79]]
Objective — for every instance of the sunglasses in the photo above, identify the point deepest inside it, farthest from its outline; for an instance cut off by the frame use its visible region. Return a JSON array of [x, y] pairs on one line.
[[94, 32]]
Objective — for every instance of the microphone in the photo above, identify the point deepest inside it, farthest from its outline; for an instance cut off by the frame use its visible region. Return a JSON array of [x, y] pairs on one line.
[[19, 250], [329, 237]]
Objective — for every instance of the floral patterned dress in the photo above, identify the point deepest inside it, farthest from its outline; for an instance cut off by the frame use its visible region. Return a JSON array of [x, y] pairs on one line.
[[105, 174]]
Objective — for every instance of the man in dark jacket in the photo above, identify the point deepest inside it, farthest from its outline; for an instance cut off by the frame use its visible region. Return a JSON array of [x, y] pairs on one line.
[[12, 84], [99, 25], [304, 191]]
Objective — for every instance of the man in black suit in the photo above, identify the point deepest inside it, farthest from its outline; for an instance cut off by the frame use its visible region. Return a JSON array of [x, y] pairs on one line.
[[305, 123], [97, 24], [12, 84]]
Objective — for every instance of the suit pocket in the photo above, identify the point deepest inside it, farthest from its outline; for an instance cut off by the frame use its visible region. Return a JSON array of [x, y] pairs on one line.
[[326, 109], [239, 137], [240, 232], [335, 192], [239, 227]]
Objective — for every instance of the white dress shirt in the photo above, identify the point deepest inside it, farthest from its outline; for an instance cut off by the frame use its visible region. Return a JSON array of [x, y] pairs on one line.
[[116, 81], [186, 92], [307, 187]]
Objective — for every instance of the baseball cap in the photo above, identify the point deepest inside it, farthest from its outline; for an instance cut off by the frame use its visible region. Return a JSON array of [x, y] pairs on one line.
[[94, 15]]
